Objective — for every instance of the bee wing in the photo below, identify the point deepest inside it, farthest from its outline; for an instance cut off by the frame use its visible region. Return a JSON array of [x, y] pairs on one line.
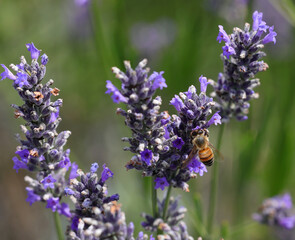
[[190, 157], [215, 150]]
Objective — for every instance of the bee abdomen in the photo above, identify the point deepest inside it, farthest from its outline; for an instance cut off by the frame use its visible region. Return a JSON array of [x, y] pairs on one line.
[[209, 162], [206, 156]]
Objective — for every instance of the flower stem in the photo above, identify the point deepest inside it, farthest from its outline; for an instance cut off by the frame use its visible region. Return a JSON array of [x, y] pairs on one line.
[[213, 189], [167, 202], [58, 227], [154, 199]]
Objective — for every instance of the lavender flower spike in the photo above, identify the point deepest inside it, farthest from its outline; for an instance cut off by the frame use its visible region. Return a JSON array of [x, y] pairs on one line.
[[161, 143], [277, 211], [41, 151], [174, 228], [241, 58]]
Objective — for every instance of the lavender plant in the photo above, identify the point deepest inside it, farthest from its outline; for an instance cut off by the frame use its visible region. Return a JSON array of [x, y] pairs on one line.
[[277, 211], [241, 60], [41, 150], [95, 215], [160, 142]]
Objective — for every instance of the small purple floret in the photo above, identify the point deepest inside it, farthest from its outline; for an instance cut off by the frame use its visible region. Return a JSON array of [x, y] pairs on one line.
[[161, 183], [64, 209], [73, 173], [69, 191], [228, 50], [19, 164], [178, 143], [106, 173], [159, 81], [53, 203], [147, 156], [270, 37], [222, 35], [48, 182], [197, 167], [33, 50], [22, 79], [7, 74], [94, 167], [204, 83], [32, 197], [44, 59], [215, 119]]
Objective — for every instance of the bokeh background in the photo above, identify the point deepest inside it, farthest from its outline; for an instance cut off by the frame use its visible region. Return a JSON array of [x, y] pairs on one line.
[[84, 40]]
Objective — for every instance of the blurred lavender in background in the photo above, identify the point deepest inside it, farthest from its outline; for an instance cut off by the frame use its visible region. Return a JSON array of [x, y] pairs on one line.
[[278, 212], [230, 10], [274, 16], [149, 39]]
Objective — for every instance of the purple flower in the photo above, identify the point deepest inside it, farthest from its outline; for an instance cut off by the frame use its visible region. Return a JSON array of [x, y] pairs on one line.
[[69, 191], [54, 115], [24, 154], [159, 81], [94, 167], [65, 163], [204, 83], [270, 37], [222, 35], [215, 119], [106, 173], [228, 50], [197, 167], [287, 222], [178, 143], [73, 173], [32, 197], [21, 79], [75, 223], [33, 50], [117, 96], [177, 103], [147, 156], [19, 164], [161, 183], [7, 73], [64, 209], [53, 203], [48, 182], [44, 59], [258, 24]]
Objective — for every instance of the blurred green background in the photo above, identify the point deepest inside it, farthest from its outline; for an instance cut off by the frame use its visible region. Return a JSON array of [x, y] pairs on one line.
[[83, 42]]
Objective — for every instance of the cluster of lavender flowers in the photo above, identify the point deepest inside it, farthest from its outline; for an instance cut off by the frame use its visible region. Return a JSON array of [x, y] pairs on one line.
[[160, 142], [96, 215], [241, 58], [42, 149], [173, 227], [277, 211]]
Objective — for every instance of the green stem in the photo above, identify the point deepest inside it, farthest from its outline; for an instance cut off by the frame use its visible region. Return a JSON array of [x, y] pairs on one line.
[[58, 227], [154, 199], [167, 202], [213, 189]]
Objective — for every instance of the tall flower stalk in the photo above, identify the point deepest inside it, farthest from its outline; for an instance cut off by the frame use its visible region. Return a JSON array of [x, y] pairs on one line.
[[41, 150], [161, 143], [235, 86]]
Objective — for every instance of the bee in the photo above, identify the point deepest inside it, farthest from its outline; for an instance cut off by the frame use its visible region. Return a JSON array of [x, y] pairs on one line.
[[202, 146]]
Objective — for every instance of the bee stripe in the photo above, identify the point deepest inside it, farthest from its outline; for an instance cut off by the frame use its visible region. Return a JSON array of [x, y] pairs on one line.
[[207, 158], [209, 163]]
